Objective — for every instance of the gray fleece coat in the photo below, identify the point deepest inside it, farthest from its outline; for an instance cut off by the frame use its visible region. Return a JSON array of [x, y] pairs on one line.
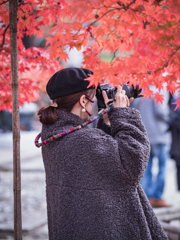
[[92, 180]]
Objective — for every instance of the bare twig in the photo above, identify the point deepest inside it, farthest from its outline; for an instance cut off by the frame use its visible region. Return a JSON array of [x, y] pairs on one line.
[[132, 3], [169, 44], [126, 7], [4, 2], [4, 79], [169, 9], [160, 44], [101, 17], [166, 64], [145, 23], [4, 33], [114, 55]]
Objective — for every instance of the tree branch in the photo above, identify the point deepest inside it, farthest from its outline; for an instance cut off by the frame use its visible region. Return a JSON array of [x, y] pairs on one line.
[[166, 64], [160, 44], [4, 33], [4, 2], [114, 56], [132, 3], [4, 80], [101, 17], [126, 7]]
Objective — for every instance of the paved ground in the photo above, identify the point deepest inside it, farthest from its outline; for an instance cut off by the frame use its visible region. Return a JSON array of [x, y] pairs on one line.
[[33, 188], [34, 218]]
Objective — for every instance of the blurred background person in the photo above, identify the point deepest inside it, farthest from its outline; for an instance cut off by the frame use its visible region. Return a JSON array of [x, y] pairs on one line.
[[155, 121], [174, 127]]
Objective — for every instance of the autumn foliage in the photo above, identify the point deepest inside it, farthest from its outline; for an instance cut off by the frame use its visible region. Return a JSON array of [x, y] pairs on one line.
[[148, 31]]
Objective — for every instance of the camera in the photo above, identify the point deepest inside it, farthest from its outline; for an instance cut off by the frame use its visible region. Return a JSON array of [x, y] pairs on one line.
[[111, 92]]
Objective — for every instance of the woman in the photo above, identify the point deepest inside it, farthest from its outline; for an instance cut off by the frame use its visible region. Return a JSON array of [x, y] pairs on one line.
[[93, 175]]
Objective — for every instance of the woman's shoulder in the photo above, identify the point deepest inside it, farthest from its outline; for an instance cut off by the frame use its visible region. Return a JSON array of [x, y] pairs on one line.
[[92, 133]]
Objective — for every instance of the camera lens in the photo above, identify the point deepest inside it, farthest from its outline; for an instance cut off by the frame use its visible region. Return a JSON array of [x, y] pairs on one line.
[[111, 92]]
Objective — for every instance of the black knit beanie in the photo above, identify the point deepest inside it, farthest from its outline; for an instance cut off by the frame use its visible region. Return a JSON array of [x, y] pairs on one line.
[[68, 81]]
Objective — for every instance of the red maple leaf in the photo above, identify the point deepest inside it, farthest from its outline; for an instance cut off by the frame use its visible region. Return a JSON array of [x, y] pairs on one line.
[[94, 81], [177, 103], [147, 93], [159, 98]]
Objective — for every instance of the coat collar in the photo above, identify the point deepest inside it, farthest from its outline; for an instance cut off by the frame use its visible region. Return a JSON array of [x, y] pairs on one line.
[[67, 118]]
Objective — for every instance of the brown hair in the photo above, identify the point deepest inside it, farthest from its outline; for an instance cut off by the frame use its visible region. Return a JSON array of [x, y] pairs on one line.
[[49, 115]]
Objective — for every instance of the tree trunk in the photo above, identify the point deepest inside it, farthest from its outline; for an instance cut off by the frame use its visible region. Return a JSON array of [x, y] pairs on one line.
[[13, 7]]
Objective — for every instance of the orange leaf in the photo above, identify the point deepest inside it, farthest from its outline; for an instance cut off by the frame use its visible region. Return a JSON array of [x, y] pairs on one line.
[[78, 46]]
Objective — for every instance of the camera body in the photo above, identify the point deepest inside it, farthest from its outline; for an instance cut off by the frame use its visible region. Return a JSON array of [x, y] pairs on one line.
[[111, 92]]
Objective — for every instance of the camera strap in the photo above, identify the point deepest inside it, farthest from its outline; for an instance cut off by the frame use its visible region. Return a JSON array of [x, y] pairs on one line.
[[56, 136]]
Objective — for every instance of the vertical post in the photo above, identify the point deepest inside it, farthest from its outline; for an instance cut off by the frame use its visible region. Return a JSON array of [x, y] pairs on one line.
[[13, 7]]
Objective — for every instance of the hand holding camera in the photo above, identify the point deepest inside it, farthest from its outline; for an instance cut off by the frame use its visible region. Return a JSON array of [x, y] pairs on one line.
[[121, 101], [121, 98], [129, 92]]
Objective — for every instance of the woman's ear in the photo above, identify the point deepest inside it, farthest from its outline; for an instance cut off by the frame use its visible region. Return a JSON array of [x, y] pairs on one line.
[[82, 101]]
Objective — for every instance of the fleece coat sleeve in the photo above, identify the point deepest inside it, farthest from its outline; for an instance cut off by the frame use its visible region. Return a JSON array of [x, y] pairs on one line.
[[103, 126], [129, 132]]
